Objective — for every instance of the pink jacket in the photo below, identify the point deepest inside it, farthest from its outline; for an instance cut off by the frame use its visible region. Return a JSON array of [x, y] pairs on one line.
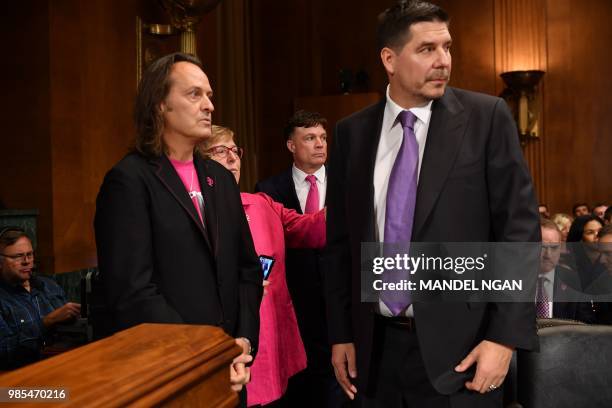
[[281, 351]]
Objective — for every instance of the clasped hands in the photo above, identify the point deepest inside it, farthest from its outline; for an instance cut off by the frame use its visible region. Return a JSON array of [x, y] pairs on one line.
[[492, 361], [240, 374]]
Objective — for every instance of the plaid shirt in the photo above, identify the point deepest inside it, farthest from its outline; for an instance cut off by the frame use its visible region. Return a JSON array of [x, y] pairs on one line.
[[22, 332]]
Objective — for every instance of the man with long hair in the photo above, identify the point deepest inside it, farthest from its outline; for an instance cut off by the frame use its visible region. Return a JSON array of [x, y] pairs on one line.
[[173, 242]]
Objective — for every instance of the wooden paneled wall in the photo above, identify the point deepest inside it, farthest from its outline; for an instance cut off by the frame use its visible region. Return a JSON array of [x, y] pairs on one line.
[[70, 72], [578, 107], [69, 82], [25, 151], [300, 47], [520, 44]]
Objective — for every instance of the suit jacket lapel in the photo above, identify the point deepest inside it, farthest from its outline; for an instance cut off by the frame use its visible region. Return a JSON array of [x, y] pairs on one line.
[[207, 185], [366, 147], [287, 189], [171, 180], [444, 137]]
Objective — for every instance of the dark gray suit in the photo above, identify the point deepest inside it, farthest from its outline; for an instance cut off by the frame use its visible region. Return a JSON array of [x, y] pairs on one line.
[[315, 386], [474, 186], [160, 264]]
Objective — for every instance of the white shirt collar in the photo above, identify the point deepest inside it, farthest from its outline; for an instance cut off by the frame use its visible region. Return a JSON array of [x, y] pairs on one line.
[[393, 109], [299, 175], [547, 274]]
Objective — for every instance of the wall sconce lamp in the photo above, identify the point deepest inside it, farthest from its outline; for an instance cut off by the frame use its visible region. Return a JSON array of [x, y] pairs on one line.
[[523, 97], [155, 40], [185, 16]]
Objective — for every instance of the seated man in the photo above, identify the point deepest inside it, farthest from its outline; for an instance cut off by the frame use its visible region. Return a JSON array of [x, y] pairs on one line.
[[599, 210], [604, 309], [30, 306], [556, 283]]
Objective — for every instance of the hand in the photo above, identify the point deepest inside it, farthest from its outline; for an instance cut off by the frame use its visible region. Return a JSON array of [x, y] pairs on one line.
[[62, 314], [343, 360], [265, 283], [492, 361], [240, 374]]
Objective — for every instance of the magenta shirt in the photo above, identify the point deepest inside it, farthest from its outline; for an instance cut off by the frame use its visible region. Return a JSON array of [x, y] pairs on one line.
[[187, 172]]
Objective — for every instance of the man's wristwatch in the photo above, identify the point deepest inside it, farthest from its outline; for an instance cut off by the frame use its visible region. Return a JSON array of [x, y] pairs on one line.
[[248, 342]]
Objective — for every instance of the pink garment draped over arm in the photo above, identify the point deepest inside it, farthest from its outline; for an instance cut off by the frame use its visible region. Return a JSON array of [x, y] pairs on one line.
[[301, 230]]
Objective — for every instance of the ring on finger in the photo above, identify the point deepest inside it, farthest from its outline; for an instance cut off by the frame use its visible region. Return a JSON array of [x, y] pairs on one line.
[[492, 387]]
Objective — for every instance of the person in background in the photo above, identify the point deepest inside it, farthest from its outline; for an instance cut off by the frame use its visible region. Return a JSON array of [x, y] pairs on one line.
[[608, 216], [556, 283], [580, 209], [599, 210], [585, 229], [605, 250], [582, 248], [563, 222], [605, 246], [543, 210], [281, 351], [303, 187], [30, 306]]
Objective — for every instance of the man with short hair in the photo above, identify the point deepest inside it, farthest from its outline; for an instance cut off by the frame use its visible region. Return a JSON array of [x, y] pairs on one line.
[[580, 209], [543, 210], [30, 306], [604, 312], [303, 188], [608, 216], [605, 246], [173, 242], [599, 210], [556, 284], [429, 163]]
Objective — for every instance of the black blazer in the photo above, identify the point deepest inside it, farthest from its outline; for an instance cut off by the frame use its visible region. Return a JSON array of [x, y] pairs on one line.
[[304, 275], [474, 186], [564, 306], [159, 263], [282, 189]]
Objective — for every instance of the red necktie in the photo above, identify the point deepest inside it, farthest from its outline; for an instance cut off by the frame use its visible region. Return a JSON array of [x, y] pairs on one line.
[[312, 201], [542, 300]]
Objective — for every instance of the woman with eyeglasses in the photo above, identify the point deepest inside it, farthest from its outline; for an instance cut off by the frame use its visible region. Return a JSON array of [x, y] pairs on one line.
[[281, 351], [30, 306]]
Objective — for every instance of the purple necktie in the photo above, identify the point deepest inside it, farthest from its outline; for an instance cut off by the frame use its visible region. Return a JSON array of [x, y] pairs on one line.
[[399, 216], [542, 300], [312, 200]]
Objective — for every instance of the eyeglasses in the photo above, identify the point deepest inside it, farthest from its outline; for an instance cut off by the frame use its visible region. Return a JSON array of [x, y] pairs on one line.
[[20, 257], [222, 151]]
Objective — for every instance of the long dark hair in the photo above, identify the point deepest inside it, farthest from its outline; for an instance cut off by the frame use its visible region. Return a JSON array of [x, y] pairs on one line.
[[577, 228], [152, 90]]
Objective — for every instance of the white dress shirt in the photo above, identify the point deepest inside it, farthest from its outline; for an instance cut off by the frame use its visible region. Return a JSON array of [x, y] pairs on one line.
[[391, 136], [302, 187]]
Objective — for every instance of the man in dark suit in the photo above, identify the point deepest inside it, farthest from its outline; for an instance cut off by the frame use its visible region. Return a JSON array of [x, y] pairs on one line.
[[464, 180], [557, 285], [302, 188], [172, 238]]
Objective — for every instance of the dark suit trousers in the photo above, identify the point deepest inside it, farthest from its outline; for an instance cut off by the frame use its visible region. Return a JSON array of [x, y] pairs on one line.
[[400, 379]]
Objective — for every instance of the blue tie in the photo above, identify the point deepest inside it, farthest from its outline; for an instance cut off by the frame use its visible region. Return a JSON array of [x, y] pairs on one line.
[[399, 216]]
